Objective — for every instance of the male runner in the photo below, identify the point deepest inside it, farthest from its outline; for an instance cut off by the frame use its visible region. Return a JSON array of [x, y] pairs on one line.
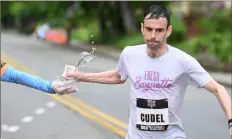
[[159, 75], [9, 74]]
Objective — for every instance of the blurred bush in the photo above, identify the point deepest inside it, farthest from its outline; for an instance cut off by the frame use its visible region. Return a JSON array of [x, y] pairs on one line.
[[85, 31], [178, 31], [216, 38], [118, 24]]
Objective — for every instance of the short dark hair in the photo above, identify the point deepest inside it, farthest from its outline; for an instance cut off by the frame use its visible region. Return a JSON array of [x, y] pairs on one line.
[[157, 11]]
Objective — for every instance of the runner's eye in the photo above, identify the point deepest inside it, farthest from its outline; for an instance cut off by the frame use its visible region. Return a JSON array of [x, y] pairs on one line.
[[148, 29], [159, 30]]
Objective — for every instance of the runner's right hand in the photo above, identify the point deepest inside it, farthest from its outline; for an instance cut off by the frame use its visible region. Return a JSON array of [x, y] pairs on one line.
[[71, 72]]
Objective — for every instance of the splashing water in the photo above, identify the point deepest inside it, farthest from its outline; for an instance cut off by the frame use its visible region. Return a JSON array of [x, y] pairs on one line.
[[85, 57]]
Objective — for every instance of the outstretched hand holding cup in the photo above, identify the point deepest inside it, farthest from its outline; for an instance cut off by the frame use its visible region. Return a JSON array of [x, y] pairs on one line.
[[71, 73]]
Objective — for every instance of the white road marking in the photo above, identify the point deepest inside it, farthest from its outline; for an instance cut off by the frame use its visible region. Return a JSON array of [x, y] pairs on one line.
[[51, 104], [13, 128], [40, 111], [4, 127], [27, 119]]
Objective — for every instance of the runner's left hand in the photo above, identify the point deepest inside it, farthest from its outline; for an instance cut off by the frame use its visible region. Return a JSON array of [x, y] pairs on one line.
[[61, 89]]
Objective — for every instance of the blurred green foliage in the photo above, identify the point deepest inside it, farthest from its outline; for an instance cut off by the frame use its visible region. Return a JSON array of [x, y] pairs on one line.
[[216, 37], [25, 12], [108, 22]]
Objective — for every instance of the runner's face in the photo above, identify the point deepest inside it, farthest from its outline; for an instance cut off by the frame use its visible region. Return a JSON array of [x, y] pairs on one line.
[[155, 31]]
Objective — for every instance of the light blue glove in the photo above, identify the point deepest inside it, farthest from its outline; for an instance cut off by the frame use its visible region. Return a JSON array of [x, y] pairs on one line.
[[15, 76]]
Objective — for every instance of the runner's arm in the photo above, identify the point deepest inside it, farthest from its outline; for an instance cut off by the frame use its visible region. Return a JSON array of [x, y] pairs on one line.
[[222, 95], [9, 74], [107, 77], [202, 78], [118, 76]]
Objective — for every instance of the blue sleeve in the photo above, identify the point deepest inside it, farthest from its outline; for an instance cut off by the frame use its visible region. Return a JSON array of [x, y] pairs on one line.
[[15, 76]]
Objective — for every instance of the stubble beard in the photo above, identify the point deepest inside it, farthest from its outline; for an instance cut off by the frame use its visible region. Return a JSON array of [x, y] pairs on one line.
[[155, 47]]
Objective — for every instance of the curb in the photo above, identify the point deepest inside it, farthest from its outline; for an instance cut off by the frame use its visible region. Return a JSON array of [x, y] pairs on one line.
[[225, 84], [105, 51]]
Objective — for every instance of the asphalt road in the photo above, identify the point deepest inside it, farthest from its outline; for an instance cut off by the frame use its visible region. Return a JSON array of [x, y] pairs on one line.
[[30, 114], [202, 115]]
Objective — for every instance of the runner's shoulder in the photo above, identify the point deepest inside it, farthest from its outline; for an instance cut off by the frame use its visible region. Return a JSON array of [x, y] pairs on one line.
[[134, 48], [180, 54]]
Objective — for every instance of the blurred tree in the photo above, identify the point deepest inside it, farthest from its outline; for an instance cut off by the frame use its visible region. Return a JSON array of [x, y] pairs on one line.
[[129, 19], [72, 8], [116, 20], [101, 19], [7, 20]]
